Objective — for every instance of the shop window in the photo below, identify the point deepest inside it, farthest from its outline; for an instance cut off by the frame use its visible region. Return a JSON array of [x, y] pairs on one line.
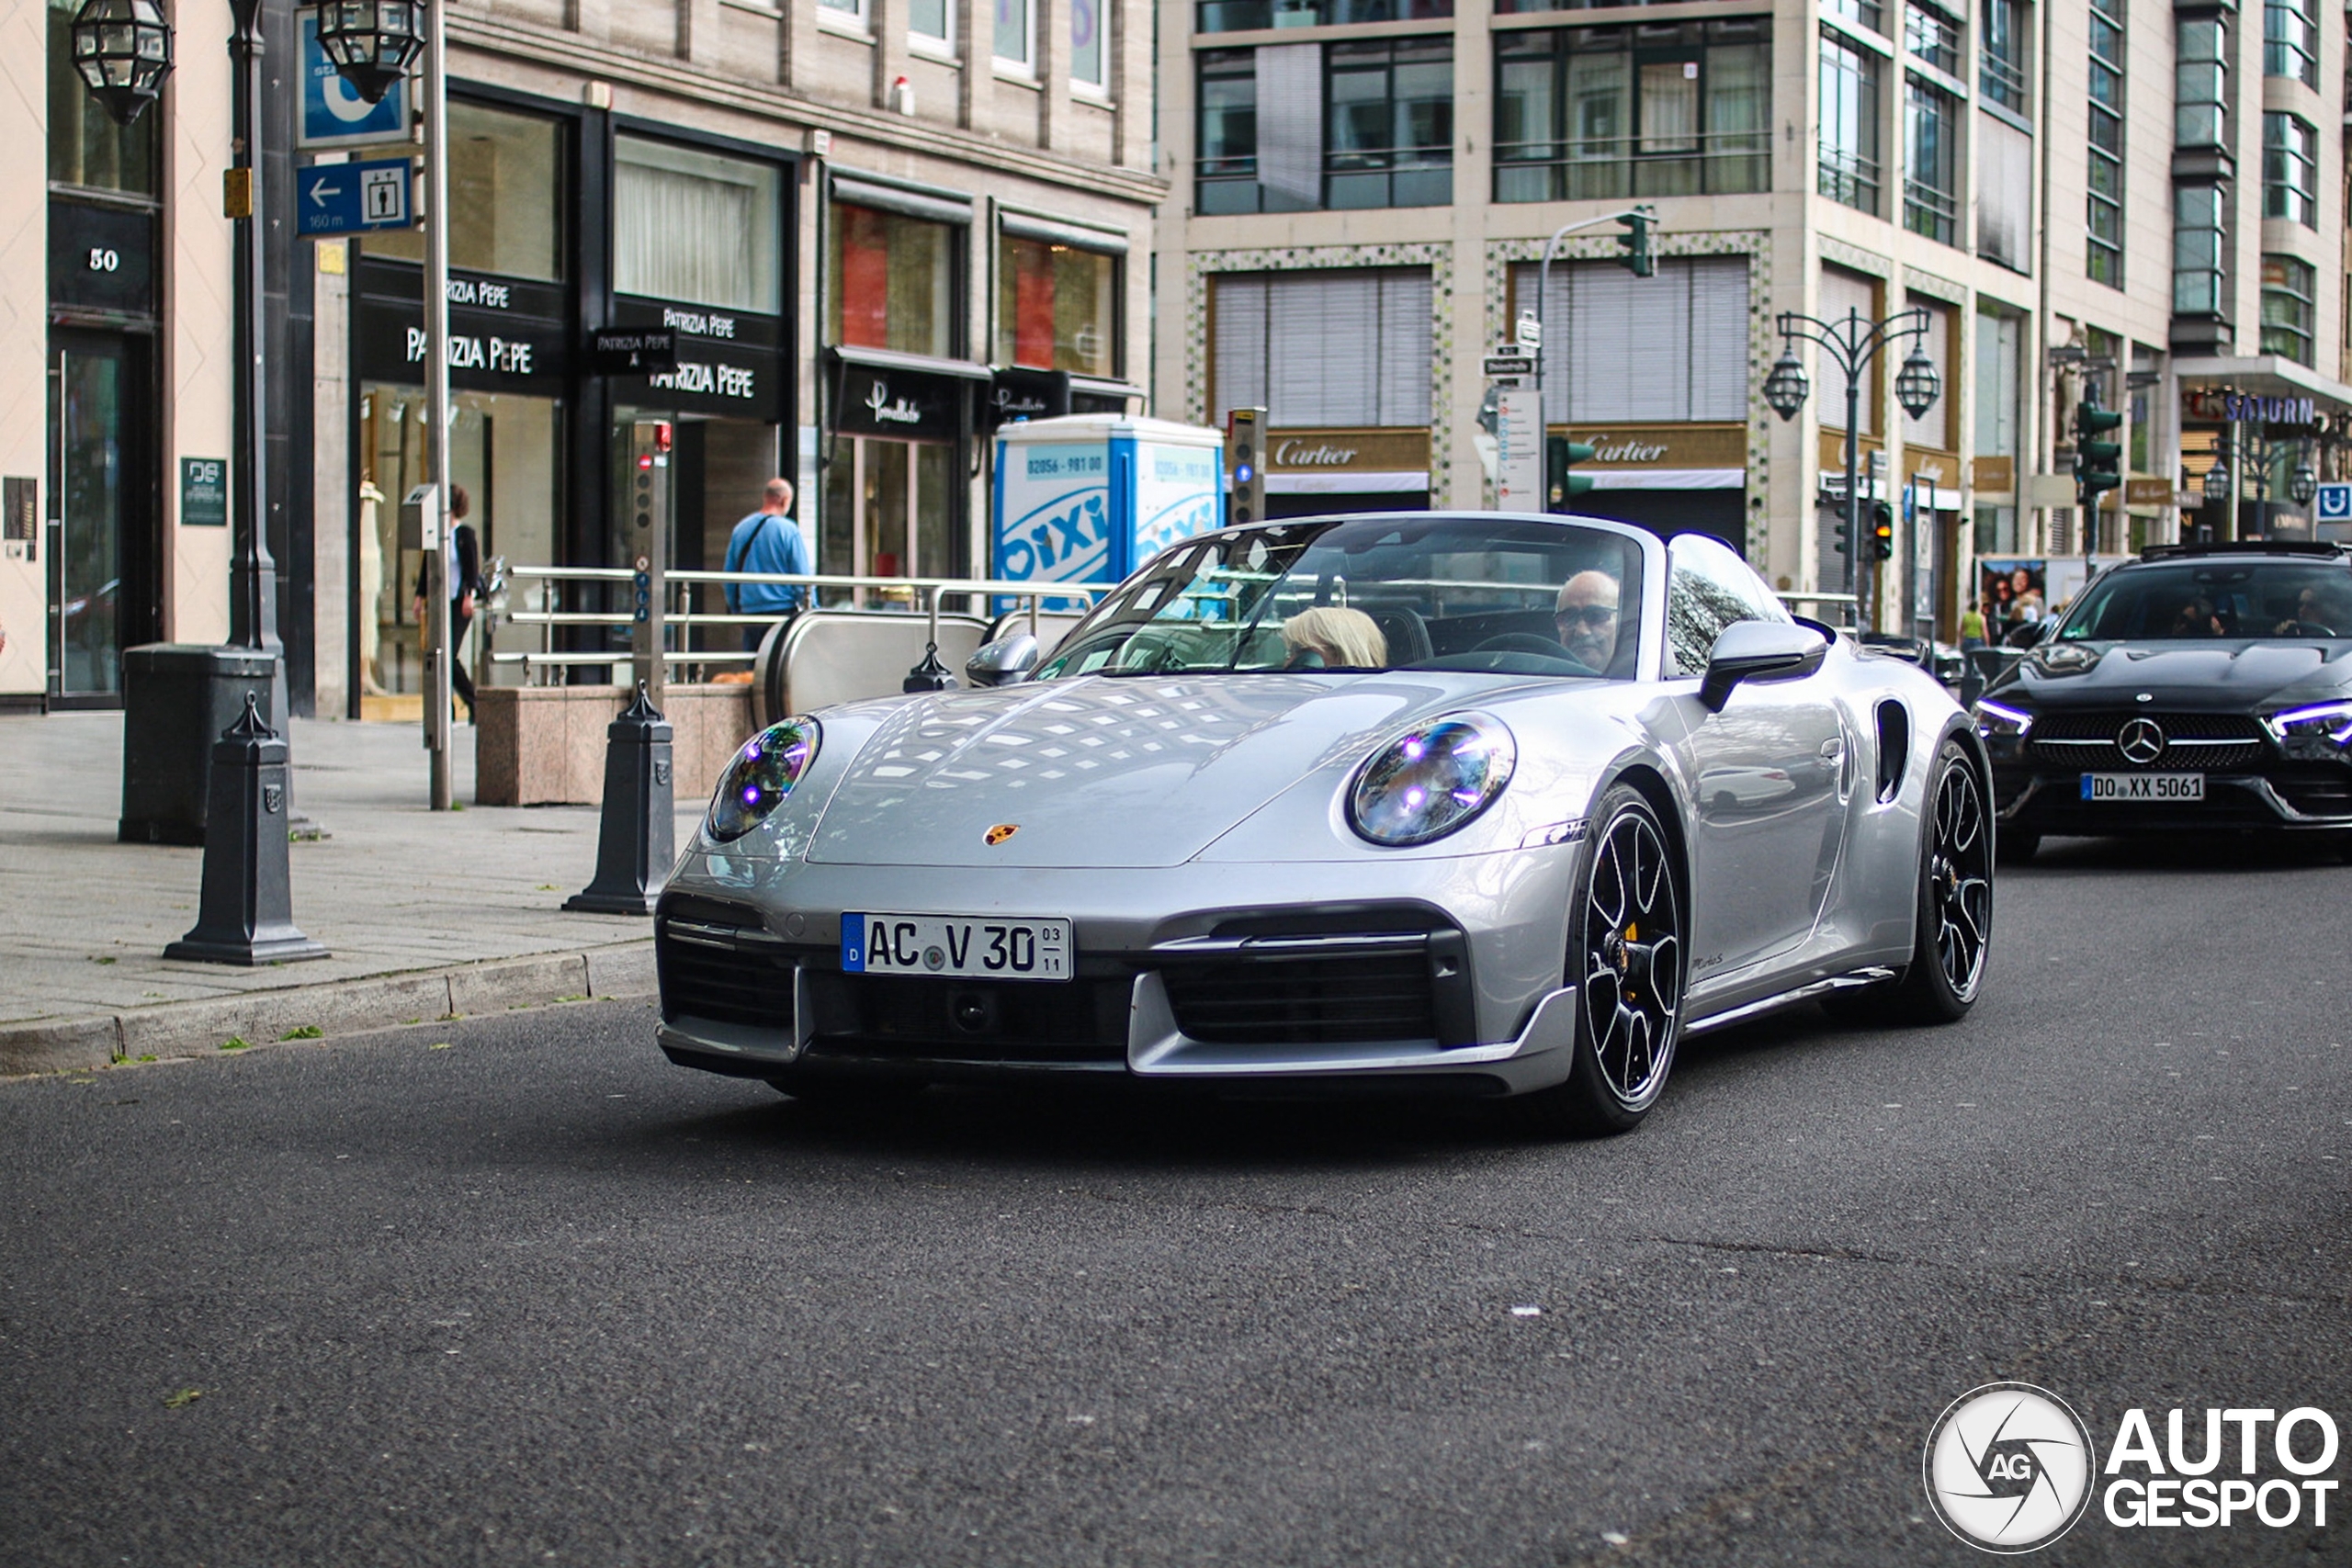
[[1012, 31], [1343, 349], [892, 281], [2103, 208], [2000, 358], [1932, 161], [2289, 170], [696, 227], [1090, 50], [1056, 307], [1849, 146], [505, 196], [2000, 56], [1667, 349], [1390, 113], [2288, 312], [1678, 110], [1934, 429], [1932, 37], [2290, 41], [86, 148]]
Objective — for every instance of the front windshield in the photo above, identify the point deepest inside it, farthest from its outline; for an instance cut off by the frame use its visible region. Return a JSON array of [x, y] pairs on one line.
[[2215, 599], [1408, 592]]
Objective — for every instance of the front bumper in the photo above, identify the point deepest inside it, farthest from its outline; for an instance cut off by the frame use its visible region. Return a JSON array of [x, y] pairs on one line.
[[1429, 969], [2042, 801]]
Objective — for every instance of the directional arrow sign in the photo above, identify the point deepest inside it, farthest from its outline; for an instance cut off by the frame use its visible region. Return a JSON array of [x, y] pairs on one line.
[[349, 198]]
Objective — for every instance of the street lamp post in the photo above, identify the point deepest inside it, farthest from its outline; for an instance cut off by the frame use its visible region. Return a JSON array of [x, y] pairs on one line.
[[372, 44], [1853, 344]]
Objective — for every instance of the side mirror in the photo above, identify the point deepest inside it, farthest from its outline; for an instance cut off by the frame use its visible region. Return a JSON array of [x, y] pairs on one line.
[[1005, 661], [1759, 650], [2028, 633]]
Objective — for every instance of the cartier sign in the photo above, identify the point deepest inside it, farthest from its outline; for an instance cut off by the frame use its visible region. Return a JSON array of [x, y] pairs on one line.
[[1661, 446], [1347, 451]]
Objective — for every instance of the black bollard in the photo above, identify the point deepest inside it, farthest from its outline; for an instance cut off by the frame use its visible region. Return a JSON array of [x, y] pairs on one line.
[[930, 675], [635, 836], [246, 914]]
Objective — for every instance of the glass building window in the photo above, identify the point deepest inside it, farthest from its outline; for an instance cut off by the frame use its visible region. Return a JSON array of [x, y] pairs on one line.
[[1090, 26], [1226, 161], [1056, 307], [1849, 149], [2290, 41], [505, 196], [1933, 36], [2103, 205], [932, 20], [2000, 55], [1012, 31], [696, 227], [86, 148], [2288, 316], [856, 8], [2197, 250], [1931, 162], [1389, 119], [2289, 170], [891, 283], [1239, 16], [2200, 83], [1678, 109], [1861, 13]]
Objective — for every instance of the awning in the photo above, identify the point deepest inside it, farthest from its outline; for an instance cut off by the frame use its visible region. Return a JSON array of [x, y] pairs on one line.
[[1378, 483], [1668, 479], [917, 364], [2265, 376]]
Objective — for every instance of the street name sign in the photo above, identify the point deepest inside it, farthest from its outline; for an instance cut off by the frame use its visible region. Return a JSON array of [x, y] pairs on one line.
[[353, 198], [1508, 365]]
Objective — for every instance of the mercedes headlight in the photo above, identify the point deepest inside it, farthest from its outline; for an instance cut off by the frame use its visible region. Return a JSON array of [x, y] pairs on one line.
[[1997, 721], [1432, 779], [760, 776], [2319, 721]]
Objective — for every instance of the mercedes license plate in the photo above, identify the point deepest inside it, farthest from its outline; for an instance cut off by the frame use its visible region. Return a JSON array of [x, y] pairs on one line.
[[980, 947], [2143, 786]]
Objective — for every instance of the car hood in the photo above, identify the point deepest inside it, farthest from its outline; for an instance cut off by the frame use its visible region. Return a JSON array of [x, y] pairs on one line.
[[1132, 771], [2235, 675]]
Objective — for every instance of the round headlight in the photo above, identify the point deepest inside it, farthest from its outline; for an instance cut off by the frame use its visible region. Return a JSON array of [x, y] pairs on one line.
[[760, 775], [1432, 780]]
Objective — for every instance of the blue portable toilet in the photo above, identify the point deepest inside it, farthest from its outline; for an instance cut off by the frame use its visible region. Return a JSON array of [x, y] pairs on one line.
[[1089, 496]]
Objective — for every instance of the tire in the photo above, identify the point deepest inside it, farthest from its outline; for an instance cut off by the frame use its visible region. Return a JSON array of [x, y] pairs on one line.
[[1953, 924], [1626, 956]]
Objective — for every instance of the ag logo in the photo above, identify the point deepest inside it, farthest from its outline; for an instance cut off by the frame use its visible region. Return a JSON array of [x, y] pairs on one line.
[[1000, 833], [2009, 1467]]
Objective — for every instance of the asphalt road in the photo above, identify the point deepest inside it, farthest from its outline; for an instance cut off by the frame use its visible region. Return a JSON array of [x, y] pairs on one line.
[[515, 1291]]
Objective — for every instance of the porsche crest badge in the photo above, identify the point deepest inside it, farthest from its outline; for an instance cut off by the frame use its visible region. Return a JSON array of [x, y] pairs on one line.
[[1000, 833]]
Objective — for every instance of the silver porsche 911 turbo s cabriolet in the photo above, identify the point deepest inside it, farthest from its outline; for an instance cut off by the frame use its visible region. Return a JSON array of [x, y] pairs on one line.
[[1471, 803]]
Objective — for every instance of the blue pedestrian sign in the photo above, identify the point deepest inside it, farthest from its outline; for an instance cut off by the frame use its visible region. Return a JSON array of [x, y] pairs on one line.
[[352, 199], [2334, 502], [333, 113]]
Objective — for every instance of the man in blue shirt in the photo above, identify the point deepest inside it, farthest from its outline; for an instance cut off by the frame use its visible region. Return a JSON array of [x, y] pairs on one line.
[[770, 541]]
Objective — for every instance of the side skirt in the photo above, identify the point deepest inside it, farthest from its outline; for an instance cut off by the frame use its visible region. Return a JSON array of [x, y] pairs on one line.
[[1874, 974]]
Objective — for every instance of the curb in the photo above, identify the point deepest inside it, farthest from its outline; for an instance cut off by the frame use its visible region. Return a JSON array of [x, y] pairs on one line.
[[336, 1007]]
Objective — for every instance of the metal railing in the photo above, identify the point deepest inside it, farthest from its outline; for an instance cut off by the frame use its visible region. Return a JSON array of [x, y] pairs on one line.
[[923, 591]]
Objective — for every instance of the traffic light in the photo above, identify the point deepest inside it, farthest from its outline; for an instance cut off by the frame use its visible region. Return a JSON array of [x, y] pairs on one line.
[[1881, 531], [1635, 243], [1845, 535], [1560, 455], [1244, 431], [2098, 462]]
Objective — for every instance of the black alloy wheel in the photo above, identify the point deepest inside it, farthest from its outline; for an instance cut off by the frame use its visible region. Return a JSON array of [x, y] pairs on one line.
[[1627, 959], [1954, 922]]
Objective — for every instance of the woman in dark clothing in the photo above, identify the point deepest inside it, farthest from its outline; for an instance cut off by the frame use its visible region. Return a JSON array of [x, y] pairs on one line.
[[464, 559]]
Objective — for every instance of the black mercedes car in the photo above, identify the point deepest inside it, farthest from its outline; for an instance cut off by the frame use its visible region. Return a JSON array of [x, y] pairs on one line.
[[2199, 687]]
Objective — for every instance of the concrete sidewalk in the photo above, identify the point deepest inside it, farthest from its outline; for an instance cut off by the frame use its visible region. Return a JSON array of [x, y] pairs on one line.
[[426, 914]]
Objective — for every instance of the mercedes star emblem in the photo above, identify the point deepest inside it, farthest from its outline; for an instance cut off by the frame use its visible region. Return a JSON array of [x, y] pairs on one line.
[[2142, 741]]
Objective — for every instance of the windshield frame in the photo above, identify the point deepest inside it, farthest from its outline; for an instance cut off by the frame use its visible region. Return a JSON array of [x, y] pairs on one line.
[[2220, 569], [1647, 552]]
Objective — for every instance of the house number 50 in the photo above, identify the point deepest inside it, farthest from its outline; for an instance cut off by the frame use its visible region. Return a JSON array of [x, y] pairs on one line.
[[104, 260]]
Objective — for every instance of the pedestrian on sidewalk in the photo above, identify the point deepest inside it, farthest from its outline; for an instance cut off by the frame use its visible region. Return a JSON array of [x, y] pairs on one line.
[[461, 553], [767, 540]]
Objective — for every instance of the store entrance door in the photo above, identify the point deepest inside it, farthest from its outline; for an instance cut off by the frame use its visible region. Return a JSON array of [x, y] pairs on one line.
[[891, 511], [103, 592]]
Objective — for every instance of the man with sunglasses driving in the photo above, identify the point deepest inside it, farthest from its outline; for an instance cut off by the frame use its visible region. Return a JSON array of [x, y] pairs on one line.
[[1587, 619]]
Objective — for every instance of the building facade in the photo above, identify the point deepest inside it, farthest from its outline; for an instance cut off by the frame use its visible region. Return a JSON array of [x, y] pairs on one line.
[[876, 227], [2144, 208]]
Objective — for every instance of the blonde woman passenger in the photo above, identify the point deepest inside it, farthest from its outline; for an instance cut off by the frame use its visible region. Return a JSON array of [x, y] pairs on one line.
[[1328, 637]]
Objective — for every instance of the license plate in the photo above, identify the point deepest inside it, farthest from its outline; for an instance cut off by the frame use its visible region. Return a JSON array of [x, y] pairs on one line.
[[2143, 786], [976, 947]]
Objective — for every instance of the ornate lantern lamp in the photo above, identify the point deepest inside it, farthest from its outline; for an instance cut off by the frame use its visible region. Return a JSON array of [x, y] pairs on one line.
[[1916, 384], [1786, 387], [371, 42], [123, 51]]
